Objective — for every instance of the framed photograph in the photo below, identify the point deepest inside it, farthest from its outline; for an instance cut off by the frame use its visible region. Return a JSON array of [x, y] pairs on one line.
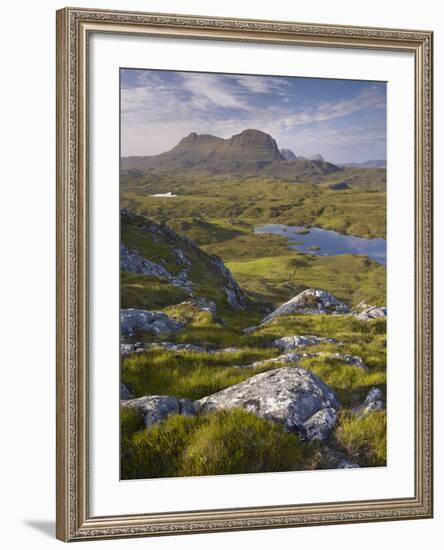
[[244, 274]]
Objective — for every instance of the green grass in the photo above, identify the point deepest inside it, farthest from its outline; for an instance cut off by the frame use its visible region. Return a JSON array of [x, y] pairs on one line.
[[253, 201], [222, 442], [188, 374], [364, 438], [145, 292], [277, 279]]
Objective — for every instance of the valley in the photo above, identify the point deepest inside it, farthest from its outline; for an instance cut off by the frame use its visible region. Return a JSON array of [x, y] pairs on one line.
[[207, 387]]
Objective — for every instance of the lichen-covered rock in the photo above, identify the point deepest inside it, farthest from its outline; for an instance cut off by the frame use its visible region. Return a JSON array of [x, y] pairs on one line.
[[374, 401], [154, 407], [346, 464], [310, 301], [354, 360], [235, 297], [370, 313], [288, 395], [141, 320], [125, 392], [186, 407], [288, 343], [319, 426], [131, 261]]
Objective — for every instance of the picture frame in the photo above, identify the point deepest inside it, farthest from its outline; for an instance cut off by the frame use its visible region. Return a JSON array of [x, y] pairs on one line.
[[75, 519]]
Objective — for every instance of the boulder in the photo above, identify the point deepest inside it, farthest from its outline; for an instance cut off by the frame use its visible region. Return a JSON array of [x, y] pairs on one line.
[[288, 395], [310, 301], [346, 464], [354, 360], [288, 343], [186, 407], [319, 426], [125, 392], [141, 320], [370, 313], [154, 407], [373, 402]]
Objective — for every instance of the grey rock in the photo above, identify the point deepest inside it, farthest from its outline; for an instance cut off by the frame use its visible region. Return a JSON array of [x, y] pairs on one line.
[[235, 297], [374, 401], [310, 301], [153, 322], [154, 407], [181, 258], [370, 313], [319, 426], [354, 360], [346, 464], [288, 395], [186, 407], [125, 392], [140, 347], [287, 343], [131, 261]]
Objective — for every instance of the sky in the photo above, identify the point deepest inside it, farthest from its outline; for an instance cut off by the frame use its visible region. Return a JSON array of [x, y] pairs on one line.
[[343, 120]]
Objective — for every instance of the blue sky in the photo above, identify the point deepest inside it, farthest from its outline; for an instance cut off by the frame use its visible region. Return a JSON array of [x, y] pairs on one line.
[[344, 120]]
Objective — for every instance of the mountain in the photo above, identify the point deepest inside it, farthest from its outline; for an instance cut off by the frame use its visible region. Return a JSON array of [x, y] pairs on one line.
[[288, 154], [318, 157], [378, 163], [251, 152]]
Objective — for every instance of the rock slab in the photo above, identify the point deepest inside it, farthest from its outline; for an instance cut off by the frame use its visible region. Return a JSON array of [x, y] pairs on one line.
[[291, 396]]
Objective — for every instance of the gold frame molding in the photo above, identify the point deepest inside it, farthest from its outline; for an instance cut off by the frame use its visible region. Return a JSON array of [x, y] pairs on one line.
[[73, 28]]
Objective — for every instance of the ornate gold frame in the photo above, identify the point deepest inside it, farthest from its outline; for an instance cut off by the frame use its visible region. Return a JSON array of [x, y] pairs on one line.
[[73, 519]]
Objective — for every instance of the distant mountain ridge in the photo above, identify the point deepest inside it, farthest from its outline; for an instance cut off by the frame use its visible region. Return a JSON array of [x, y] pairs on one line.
[[251, 152]]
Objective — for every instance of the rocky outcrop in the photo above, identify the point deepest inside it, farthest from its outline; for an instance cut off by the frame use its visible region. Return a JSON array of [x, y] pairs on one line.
[[141, 320], [371, 312], [131, 261], [180, 262], [374, 401], [291, 396], [156, 408], [310, 301], [288, 343], [235, 297]]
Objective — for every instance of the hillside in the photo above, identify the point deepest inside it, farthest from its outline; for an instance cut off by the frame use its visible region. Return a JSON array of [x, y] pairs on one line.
[[159, 266], [251, 152]]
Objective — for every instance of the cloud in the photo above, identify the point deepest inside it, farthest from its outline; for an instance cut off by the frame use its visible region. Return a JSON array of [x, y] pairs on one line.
[[159, 107]]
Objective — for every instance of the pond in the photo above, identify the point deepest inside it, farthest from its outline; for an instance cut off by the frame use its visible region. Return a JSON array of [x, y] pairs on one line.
[[324, 242]]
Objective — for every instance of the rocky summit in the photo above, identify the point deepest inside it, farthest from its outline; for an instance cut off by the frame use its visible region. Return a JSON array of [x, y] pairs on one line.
[[292, 396], [249, 152]]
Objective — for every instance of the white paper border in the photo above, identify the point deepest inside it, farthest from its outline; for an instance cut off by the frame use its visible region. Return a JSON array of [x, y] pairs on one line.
[[108, 495]]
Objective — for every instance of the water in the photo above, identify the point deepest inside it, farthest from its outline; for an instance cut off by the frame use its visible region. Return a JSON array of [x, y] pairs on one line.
[[330, 242]]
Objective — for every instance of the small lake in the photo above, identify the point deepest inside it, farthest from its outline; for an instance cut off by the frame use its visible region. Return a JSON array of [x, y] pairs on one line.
[[330, 243]]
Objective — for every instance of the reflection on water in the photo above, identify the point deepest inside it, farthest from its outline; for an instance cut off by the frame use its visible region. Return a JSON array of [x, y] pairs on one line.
[[330, 243]]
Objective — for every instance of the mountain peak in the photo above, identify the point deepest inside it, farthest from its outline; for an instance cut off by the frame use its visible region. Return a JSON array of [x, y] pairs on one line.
[[318, 157]]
